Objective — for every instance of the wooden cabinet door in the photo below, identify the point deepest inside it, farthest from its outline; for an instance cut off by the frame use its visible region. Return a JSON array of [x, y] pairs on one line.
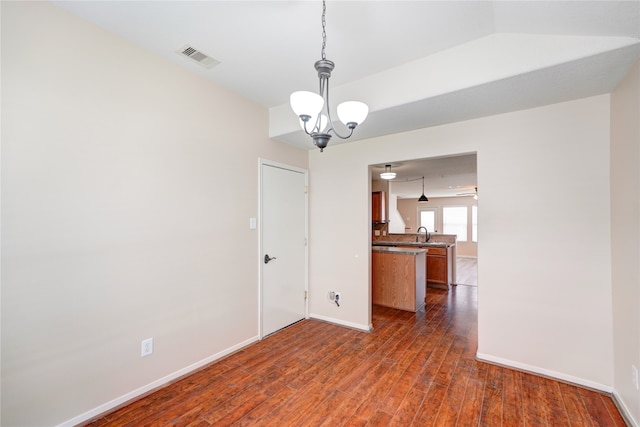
[[378, 206], [437, 269], [376, 275]]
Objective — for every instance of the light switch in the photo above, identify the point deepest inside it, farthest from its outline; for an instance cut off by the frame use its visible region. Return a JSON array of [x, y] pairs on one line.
[[253, 223]]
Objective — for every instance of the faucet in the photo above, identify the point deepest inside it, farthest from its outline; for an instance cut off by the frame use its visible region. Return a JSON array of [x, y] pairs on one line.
[[426, 234]]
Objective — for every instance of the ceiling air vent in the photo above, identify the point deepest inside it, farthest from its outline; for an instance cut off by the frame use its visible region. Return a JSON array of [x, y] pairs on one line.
[[198, 57]]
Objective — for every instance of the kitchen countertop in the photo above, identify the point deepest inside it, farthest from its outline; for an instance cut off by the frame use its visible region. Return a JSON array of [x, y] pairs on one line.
[[399, 243], [399, 251]]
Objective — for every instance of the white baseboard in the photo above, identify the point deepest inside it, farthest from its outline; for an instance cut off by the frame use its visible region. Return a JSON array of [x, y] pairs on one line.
[[154, 385], [544, 372], [341, 322], [626, 414], [466, 256]]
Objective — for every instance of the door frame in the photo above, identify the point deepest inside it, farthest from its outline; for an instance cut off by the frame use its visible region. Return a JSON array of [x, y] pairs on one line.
[[265, 162]]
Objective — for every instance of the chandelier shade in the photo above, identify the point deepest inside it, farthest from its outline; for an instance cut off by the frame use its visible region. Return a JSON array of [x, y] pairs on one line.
[[387, 174], [352, 112], [305, 103]]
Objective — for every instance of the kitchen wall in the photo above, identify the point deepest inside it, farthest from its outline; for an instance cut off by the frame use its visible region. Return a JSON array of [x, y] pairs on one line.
[[396, 222], [127, 188], [625, 237], [409, 210], [379, 185], [545, 296]]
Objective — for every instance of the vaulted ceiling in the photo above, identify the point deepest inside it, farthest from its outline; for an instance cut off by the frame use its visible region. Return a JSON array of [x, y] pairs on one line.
[[415, 63]]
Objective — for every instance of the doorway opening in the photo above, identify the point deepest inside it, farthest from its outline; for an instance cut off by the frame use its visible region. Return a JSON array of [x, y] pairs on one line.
[[449, 215]]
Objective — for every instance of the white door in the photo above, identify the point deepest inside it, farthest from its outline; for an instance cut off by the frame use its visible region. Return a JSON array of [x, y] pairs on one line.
[[283, 253]]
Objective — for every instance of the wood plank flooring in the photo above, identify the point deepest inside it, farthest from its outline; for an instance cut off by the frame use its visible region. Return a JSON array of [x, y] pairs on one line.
[[414, 369]]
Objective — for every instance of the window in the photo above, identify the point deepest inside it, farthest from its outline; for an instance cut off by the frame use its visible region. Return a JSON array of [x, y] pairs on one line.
[[474, 223], [454, 221], [427, 218]]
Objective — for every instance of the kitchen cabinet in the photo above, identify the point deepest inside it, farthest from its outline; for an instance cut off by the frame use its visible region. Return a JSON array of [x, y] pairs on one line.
[[439, 268], [378, 207], [398, 277]]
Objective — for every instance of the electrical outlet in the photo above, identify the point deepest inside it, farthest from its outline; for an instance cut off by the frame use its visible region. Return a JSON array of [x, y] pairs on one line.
[[334, 297], [147, 347], [634, 377]]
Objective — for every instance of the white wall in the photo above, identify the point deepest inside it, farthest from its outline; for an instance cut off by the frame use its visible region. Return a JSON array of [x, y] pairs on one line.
[[543, 268], [625, 237], [127, 188]]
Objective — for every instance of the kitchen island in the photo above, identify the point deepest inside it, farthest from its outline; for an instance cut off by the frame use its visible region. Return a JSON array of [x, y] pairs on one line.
[[440, 259], [398, 277]]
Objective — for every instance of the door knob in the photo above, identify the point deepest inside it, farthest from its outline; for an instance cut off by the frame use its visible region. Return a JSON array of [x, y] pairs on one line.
[[267, 259]]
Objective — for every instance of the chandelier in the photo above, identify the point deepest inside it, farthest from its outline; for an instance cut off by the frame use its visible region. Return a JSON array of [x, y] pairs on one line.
[[313, 108]]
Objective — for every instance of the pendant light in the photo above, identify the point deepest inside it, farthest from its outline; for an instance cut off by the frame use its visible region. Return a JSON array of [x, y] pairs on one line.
[[313, 108], [387, 174], [423, 198]]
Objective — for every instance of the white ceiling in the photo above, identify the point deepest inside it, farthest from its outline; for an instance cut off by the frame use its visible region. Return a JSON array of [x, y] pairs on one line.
[[415, 63], [443, 177]]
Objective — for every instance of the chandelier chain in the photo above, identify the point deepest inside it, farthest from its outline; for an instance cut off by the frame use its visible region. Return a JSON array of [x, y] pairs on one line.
[[324, 31]]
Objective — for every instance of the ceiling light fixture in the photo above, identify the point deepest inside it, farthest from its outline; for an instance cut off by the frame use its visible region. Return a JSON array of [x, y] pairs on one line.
[[423, 198], [387, 174], [309, 106]]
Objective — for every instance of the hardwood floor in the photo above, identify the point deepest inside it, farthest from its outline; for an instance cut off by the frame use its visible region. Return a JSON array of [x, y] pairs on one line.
[[467, 271], [414, 369]]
